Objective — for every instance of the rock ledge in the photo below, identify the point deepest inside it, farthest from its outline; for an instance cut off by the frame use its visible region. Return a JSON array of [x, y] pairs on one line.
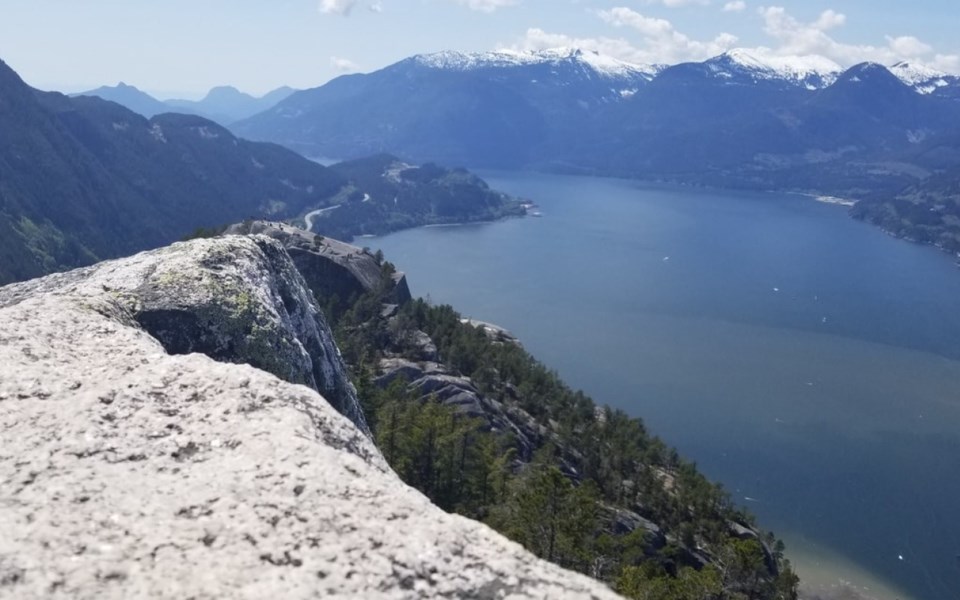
[[128, 472]]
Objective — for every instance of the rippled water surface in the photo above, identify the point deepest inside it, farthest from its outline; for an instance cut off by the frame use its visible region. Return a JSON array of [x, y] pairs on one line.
[[808, 361]]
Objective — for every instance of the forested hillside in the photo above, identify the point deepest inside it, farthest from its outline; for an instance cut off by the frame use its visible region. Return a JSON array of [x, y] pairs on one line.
[[83, 179], [467, 416]]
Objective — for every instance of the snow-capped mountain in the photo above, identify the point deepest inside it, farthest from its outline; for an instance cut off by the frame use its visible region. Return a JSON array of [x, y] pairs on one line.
[[923, 79], [480, 99], [589, 77], [604, 66], [583, 110], [745, 66]]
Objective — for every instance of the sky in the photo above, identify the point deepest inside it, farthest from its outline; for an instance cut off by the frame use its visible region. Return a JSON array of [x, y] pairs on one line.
[[182, 48]]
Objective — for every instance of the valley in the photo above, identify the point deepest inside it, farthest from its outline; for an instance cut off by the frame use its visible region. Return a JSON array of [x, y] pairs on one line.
[[721, 364]]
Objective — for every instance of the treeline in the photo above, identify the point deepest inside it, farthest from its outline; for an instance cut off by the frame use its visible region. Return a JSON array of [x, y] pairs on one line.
[[599, 495]]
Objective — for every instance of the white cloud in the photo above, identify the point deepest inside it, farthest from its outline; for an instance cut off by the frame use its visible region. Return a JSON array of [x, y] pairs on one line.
[[652, 40], [343, 65], [487, 6], [908, 46], [946, 62], [798, 38], [735, 6], [376, 7], [647, 26], [830, 19], [678, 3], [337, 7], [661, 42], [538, 39]]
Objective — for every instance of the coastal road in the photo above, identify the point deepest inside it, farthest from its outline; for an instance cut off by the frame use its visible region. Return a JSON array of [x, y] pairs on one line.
[[310, 216]]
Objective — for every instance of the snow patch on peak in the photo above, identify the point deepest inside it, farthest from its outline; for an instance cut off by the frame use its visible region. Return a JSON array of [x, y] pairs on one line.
[[811, 71], [868, 72], [923, 79], [915, 73], [603, 65]]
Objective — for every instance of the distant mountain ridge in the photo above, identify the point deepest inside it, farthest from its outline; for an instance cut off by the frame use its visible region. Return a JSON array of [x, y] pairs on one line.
[[83, 179], [131, 97], [223, 104], [451, 107], [227, 104], [746, 119], [742, 66], [604, 66], [926, 80], [812, 71]]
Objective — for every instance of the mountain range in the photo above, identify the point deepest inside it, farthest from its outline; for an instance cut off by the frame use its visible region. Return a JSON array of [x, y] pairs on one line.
[[224, 104], [83, 179], [742, 120], [492, 109], [739, 118]]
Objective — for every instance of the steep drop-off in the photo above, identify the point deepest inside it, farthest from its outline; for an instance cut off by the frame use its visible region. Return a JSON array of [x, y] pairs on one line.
[[129, 471]]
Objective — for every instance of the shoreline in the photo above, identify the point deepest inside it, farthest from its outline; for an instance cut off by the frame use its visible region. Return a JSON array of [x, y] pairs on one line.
[[442, 225], [834, 200], [826, 575]]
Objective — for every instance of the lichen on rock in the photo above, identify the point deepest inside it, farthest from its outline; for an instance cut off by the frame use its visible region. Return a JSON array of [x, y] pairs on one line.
[[236, 299]]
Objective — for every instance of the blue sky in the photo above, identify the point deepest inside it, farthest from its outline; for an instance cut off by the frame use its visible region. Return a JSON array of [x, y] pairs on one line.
[[184, 47]]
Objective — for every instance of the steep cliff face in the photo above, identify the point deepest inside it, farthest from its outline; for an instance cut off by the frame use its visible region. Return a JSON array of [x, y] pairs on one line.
[[330, 267], [130, 471], [235, 299]]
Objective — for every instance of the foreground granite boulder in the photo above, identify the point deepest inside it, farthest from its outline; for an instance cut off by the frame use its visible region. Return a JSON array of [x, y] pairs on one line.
[[235, 299], [128, 472]]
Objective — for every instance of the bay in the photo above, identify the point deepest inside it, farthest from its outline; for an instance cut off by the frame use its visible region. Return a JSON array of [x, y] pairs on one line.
[[807, 361]]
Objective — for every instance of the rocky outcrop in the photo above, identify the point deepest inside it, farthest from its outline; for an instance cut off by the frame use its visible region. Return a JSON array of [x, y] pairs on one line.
[[330, 267], [432, 381], [234, 299], [394, 368], [421, 347], [130, 472], [494, 333]]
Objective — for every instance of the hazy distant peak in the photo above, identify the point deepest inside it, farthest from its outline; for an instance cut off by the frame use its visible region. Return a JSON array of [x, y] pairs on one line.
[[224, 89], [226, 93], [284, 89], [129, 96], [122, 86]]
